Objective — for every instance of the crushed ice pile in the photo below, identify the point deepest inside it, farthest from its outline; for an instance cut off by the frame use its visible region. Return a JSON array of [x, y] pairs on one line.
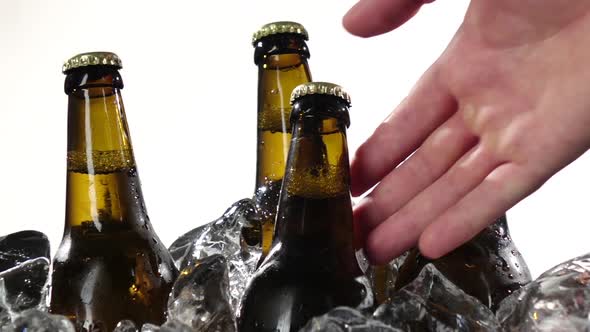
[[24, 272], [216, 261], [224, 237], [559, 300]]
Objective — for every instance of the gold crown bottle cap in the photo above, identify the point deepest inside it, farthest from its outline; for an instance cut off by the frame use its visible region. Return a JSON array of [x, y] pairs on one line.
[[319, 88], [92, 59], [275, 28]]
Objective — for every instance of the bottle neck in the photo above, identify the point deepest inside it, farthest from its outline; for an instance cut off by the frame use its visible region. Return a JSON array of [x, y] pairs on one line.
[[315, 210], [103, 190], [98, 138], [278, 75]]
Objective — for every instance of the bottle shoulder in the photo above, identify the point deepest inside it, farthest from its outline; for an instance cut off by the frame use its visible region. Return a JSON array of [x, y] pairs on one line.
[[130, 244]]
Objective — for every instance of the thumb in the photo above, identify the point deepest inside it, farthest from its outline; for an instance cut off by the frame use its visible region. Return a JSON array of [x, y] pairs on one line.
[[373, 17]]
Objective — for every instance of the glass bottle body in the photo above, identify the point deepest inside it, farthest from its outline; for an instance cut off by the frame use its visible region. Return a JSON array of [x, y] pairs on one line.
[[110, 265], [312, 266], [282, 65]]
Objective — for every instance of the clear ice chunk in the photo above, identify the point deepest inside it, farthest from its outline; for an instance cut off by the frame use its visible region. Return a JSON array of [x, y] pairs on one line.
[[559, 300], [224, 236], [125, 326], [176, 326], [34, 320], [169, 326], [24, 267], [432, 303], [4, 312], [200, 297], [344, 319], [150, 328], [24, 286], [22, 308], [382, 278], [19, 247], [368, 302]]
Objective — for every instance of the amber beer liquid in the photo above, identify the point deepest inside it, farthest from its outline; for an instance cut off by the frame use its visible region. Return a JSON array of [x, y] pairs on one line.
[[312, 266], [281, 54], [110, 265], [489, 267]]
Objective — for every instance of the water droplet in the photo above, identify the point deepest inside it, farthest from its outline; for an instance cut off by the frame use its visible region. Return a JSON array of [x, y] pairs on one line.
[[502, 262]]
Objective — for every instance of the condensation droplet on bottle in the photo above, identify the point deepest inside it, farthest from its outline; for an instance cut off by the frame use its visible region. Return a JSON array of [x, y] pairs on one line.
[[502, 262]]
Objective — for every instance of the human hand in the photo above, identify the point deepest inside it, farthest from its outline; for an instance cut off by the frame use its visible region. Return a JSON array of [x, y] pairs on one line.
[[506, 106]]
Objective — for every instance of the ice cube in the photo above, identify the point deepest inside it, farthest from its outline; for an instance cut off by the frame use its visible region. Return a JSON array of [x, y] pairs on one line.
[[34, 320], [559, 300], [176, 326], [150, 328], [24, 267], [382, 278], [125, 326], [200, 297], [24, 286], [432, 303], [344, 319], [224, 236], [22, 246]]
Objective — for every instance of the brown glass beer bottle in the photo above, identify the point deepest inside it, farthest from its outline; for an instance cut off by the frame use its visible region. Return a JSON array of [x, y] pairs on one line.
[[281, 54], [110, 265], [312, 266]]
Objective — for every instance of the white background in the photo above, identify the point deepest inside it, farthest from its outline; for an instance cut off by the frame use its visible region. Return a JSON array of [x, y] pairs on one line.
[[190, 97]]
